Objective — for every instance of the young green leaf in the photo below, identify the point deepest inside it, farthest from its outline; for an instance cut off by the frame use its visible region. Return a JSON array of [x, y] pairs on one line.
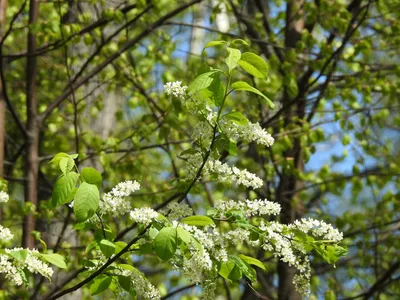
[[107, 247], [232, 58], [19, 255], [236, 117], [202, 82], [92, 176], [100, 284], [240, 41], [66, 164], [245, 268], [86, 201], [244, 86], [254, 65], [198, 221], [229, 270], [56, 159], [184, 235], [63, 187], [214, 43], [55, 259], [252, 261], [165, 243]]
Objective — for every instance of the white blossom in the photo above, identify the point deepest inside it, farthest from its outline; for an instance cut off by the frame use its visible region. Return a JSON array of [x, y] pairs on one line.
[[11, 273], [3, 197], [143, 215], [176, 89], [143, 286], [5, 234], [251, 132], [115, 201], [35, 265], [228, 173], [250, 208], [176, 211], [237, 236], [194, 267], [318, 229]]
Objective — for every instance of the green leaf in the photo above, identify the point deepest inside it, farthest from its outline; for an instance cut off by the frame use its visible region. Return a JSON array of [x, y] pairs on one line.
[[214, 43], [100, 284], [86, 201], [146, 248], [55, 259], [202, 82], [245, 268], [63, 188], [57, 158], [233, 58], [236, 117], [66, 164], [92, 176], [240, 41], [217, 89], [165, 243], [107, 247], [229, 270], [184, 235], [252, 261], [126, 284], [254, 65], [198, 221], [244, 86], [19, 255]]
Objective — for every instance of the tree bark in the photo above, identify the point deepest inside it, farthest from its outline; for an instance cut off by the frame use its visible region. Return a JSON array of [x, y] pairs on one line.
[[294, 26], [32, 127], [3, 7]]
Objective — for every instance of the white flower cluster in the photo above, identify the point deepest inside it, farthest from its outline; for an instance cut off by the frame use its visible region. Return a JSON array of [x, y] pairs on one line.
[[115, 201], [144, 215], [197, 264], [251, 132], [278, 239], [35, 265], [228, 173], [3, 197], [5, 235], [12, 268], [223, 171], [251, 208], [318, 229], [176, 89], [144, 287], [11, 272], [237, 236], [203, 133], [176, 211]]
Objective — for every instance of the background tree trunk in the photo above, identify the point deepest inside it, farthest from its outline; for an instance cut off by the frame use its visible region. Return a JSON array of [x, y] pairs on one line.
[[32, 127]]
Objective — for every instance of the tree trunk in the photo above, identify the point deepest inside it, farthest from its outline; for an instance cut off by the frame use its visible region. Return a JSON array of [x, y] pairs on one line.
[[294, 26], [32, 126], [3, 6]]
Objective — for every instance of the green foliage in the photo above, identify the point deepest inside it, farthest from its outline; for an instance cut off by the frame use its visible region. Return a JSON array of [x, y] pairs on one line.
[[244, 86], [254, 65], [198, 221], [165, 243], [86, 201]]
